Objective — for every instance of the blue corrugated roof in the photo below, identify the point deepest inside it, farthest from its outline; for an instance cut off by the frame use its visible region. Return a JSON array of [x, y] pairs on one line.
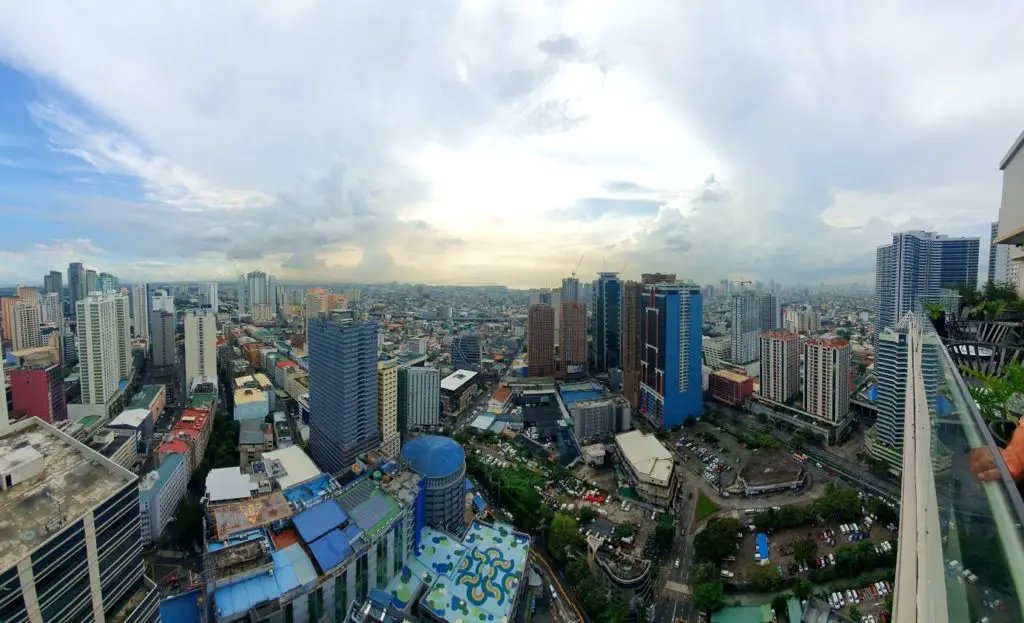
[[762, 545], [318, 520], [164, 471], [330, 550], [293, 571], [468, 486], [184, 608], [352, 532], [434, 456]]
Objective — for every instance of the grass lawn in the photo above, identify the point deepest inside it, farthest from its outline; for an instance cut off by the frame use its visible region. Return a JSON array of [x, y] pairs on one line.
[[705, 505]]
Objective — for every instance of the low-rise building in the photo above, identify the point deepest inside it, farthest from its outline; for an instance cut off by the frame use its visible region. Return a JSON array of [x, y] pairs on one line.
[[152, 397], [134, 422], [458, 390], [160, 492], [649, 464], [254, 438], [119, 448], [730, 387], [38, 390], [500, 400]]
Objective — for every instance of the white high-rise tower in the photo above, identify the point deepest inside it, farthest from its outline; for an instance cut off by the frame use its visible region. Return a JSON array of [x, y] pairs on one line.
[[200, 345]]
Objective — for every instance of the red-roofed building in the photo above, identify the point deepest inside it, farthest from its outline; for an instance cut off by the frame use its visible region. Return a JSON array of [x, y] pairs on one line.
[[190, 436]]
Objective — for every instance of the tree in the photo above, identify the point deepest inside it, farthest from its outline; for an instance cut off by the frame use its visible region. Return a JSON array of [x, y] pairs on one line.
[[718, 540], [624, 530], [803, 589], [779, 604], [563, 535], [587, 514], [854, 612], [705, 572], [805, 549], [709, 597], [188, 527], [615, 611], [665, 532], [884, 513], [764, 578]]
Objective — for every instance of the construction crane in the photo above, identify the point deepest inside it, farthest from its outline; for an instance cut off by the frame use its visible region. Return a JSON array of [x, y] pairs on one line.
[[578, 265]]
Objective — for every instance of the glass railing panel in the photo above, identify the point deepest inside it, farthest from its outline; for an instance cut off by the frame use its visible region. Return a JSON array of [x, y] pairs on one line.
[[981, 524]]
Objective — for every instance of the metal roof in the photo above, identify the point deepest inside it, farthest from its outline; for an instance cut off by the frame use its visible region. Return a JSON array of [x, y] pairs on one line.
[[433, 456]]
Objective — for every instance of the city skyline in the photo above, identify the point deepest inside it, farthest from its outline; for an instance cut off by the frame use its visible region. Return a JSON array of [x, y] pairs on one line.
[[562, 129]]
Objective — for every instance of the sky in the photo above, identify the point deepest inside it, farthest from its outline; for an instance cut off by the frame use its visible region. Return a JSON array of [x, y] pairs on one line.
[[482, 142]]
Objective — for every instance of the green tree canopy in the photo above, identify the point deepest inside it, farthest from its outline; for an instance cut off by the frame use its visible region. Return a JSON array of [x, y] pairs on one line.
[[718, 540], [563, 536], [709, 597], [624, 530], [803, 589], [587, 514]]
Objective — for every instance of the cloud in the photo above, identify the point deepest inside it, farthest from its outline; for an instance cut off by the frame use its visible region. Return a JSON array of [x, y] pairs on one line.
[[344, 141]]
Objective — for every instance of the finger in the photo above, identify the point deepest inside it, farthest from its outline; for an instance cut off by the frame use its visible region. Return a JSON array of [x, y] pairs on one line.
[[989, 474]]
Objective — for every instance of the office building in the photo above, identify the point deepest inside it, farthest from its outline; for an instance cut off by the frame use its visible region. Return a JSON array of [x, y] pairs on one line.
[[1001, 268], [631, 342], [717, 352], [53, 282], [730, 387], [78, 556], [51, 309], [208, 295], [458, 390], [770, 312], [606, 329], [915, 267], [599, 417], [315, 303], [804, 320], [467, 351], [827, 378], [162, 301], [442, 463], [161, 324], [105, 282], [571, 290], [671, 387], [37, 387], [26, 331], [200, 345], [419, 398], [160, 493], [77, 284], [139, 302], [255, 288], [7, 304], [342, 393], [387, 409], [780, 366], [91, 281], [104, 348], [746, 328], [540, 335], [572, 350]]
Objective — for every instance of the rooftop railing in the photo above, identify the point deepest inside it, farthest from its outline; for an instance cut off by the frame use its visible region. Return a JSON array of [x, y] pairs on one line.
[[961, 541]]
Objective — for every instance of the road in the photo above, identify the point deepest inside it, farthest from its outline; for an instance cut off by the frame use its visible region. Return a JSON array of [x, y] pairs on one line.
[[673, 589]]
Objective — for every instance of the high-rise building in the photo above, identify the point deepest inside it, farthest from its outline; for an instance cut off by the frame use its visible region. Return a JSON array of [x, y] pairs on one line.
[[140, 310], [780, 366], [656, 278], [746, 328], [915, 267], [606, 347], [104, 346], [827, 378], [571, 290], [1001, 268], [53, 282], [315, 303], [105, 282], [27, 331], [771, 312], [671, 387], [77, 284], [7, 304], [467, 351], [342, 392], [208, 294], [631, 343], [419, 398], [91, 281], [38, 389], [387, 409], [540, 335], [257, 287], [572, 350], [3, 400], [163, 301], [161, 325], [51, 310], [200, 345]]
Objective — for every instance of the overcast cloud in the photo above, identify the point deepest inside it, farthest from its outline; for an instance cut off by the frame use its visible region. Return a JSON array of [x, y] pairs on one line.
[[496, 142]]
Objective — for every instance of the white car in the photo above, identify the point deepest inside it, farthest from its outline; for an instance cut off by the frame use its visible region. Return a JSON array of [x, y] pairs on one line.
[[676, 565]]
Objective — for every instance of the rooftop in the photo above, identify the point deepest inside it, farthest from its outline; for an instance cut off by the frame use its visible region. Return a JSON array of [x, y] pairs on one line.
[[130, 418], [780, 335], [434, 456], [647, 455], [290, 466], [245, 395], [502, 394], [229, 483], [232, 518], [729, 375], [455, 380], [145, 396], [828, 342], [153, 482], [770, 467], [250, 432], [74, 479], [202, 400]]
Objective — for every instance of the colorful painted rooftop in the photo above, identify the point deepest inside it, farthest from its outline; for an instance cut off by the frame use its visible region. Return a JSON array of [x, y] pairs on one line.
[[473, 580]]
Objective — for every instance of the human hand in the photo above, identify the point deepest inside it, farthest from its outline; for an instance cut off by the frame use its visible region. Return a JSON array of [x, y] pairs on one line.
[[982, 464]]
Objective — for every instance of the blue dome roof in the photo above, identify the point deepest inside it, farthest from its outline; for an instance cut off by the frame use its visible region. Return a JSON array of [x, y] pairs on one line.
[[433, 456]]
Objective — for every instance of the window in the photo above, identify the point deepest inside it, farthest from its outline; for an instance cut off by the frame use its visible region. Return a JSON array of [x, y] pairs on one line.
[[316, 604], [341, 596]]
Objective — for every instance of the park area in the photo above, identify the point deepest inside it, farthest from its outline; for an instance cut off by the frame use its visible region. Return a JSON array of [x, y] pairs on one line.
[[705, 506]]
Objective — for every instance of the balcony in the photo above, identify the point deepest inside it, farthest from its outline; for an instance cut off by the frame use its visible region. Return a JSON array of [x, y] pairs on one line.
[[961, 543]]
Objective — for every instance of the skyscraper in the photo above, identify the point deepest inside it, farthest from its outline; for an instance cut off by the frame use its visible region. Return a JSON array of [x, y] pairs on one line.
[[200, 345], [161, 325], [467, 351], [1001, 268], [572, 350], [76, 284], [827, 378], [387, 409], [53, 282], [140, 310], [746, 327], [915, 267], [672, 320], [631, 344], [7, 304], [91, 281], [98, 351], [780, 366], [606, 348], [771, 313], [162, 301], [571, 290], [26, 331], [255, 288], [342, 392], [419, 398], [540, 340], [208, 294], [51, 309], [105, 282], [123, 335]]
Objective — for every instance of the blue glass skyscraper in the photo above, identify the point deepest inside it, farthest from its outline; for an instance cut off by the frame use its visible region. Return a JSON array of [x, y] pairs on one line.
[[671, 323], [342, 392], [606, 327]]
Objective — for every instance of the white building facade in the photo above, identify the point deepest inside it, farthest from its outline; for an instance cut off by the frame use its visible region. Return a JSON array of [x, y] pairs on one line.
[[780, 365], [200, 344], [827, 378], [104, 349]]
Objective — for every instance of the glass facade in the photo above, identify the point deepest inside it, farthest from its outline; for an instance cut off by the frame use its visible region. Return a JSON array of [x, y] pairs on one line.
[[606, 329], [12, 605]]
